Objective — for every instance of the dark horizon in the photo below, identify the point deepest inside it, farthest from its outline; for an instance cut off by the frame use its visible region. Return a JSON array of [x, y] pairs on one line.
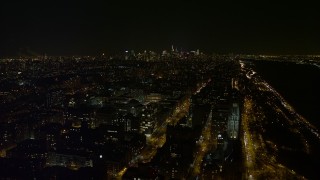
[[92, 28]]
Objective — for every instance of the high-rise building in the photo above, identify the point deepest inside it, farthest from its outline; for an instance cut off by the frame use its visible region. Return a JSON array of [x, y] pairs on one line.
[[233, 121]]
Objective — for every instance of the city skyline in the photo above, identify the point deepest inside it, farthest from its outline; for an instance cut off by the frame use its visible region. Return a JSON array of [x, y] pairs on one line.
[[179, 89], [174, 115], [91, 28]]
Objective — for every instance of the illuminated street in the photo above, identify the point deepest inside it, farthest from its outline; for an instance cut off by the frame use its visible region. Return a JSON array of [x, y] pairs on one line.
[[260, 152], [205, 144], [158, 137]]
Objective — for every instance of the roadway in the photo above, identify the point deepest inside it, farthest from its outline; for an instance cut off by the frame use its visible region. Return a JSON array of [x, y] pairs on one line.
[[258, 160], [204, 145], [158, 138]]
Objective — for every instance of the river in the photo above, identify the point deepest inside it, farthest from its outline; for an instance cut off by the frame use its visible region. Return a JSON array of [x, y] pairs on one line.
[[297, 83]]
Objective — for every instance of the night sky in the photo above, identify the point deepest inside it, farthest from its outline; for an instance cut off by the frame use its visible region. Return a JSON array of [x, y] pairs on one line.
[[93, 27]]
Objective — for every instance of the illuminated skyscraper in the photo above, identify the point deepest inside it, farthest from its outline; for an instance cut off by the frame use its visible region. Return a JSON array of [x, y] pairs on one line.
[[233, 121]]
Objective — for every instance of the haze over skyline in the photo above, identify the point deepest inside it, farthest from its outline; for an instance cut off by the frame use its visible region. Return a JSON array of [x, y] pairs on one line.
[[92, 27]]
